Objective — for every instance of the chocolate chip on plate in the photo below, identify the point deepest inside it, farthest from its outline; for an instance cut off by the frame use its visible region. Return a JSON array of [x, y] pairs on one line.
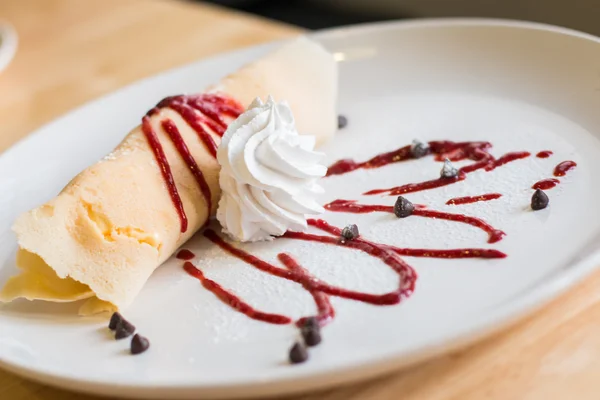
[[114, 321], [350, 232], [403, 207], [139, 344], [539, 200], [419, 149], [298, 353], [311, 331], [124, 329], [311, 336], [448, 170], [342, 121]]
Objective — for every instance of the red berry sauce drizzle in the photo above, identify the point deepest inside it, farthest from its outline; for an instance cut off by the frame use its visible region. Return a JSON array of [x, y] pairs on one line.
[[185, 255], [560, 170], [544, 154], [199, 112], [351, 206], [320, 290], [205, 113], [546, 184], [454, 151], [565, 166], [473, 199]]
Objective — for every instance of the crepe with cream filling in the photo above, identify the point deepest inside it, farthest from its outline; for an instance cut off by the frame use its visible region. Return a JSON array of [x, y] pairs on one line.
[[102, 237]]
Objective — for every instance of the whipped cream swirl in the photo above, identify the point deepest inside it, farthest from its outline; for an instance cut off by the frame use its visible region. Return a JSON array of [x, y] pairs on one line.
[[268, 174]]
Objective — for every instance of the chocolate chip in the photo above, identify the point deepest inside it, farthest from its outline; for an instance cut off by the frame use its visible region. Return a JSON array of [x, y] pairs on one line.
[[403, 208], [298, 353], [139, 344], [419, 149], [448, 170], [312, 337], [349, 232], [311, 331], [114, 321], [342, 121], [539, 200], [124, 329]]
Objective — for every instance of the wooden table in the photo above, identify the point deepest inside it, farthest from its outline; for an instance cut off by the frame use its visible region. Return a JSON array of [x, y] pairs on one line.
[[74, 50]]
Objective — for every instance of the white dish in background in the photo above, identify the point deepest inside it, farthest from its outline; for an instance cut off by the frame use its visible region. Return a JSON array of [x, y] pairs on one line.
[[8, 44], [521, 86]]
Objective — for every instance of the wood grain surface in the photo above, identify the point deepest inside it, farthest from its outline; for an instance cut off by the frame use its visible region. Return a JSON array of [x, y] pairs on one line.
[[71, 51]]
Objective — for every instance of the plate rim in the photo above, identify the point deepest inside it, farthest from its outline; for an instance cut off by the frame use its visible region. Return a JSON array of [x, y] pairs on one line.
[[310, 380]]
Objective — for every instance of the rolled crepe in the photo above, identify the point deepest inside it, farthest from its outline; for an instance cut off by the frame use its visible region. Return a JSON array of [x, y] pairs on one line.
[[102, 237]]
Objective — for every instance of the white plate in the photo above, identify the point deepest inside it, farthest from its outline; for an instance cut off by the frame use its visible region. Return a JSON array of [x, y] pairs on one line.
[[521, 86]]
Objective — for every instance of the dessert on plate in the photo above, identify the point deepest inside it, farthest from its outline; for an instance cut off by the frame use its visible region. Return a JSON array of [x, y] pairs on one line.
[[102, 237], [256, 169]]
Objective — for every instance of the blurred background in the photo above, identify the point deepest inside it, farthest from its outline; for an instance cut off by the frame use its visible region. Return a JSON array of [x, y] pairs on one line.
[[582, 15]]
